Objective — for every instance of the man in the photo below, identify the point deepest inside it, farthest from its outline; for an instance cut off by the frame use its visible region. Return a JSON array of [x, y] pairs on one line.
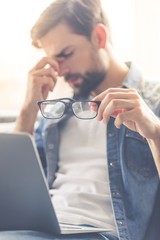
[[101, 173]]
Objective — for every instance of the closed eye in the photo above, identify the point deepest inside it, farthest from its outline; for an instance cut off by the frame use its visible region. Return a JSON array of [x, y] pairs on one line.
[[68, 54], [64, 55]]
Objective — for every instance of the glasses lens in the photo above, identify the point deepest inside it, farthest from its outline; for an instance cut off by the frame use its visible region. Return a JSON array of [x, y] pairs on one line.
[[85, 110], [52, 109]]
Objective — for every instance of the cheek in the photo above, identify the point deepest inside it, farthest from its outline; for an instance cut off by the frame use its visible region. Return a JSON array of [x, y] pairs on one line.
[[79, 63], [83, 60]]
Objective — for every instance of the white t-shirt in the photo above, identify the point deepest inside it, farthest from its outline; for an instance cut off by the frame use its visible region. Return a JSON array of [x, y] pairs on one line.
[[81, 188]]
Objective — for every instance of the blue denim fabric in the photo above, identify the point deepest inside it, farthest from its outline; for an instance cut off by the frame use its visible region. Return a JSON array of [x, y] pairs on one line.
[[132, 172], [32, 235]]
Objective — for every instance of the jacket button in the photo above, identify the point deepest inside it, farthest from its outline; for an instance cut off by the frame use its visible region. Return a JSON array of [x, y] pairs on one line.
[[50, 146], [120, 223], [111, 134], [112, 164], [42, 134], [116, 194]]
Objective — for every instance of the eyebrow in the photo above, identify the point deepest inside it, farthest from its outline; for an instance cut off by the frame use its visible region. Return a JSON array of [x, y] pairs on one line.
[[62, 53]]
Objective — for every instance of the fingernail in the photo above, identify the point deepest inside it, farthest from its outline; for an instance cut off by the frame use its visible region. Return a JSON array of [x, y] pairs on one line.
[[105, 121], [99, 118]]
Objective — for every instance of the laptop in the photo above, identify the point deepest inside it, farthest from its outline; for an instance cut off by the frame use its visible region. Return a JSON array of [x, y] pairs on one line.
[[25, 202]]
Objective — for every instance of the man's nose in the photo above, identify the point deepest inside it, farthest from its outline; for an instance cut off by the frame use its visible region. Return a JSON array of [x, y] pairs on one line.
[[63, 70], [63, 73]]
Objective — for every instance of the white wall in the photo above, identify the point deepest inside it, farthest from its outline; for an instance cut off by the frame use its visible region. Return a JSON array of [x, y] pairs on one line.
[[146, 49], [121, 17], [136, 31], [135, 27]]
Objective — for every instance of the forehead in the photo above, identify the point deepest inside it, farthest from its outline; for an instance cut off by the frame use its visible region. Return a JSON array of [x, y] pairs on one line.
[[59, 38]]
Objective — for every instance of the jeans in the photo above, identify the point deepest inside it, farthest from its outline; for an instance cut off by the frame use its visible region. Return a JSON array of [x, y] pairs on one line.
[[33, 235]]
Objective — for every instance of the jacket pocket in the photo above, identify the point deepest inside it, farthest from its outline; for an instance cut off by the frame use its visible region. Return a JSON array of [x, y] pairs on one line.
[[138, 154]]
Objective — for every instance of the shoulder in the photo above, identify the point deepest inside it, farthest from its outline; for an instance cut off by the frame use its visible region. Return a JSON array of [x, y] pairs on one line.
[[147, 87], [151, 93], [151, 88]]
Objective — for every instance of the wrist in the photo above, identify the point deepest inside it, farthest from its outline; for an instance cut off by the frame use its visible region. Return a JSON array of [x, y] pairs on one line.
[[26, 119], [154, 144]]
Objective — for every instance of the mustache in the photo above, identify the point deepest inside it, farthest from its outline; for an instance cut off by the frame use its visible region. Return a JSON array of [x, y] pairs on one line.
[[71, 76]]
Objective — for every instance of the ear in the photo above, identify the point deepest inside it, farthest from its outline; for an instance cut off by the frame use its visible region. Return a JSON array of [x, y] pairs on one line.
[[100, 36]]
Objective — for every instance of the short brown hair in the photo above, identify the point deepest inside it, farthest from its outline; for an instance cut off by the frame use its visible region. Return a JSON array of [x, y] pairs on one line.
[[80, 15]]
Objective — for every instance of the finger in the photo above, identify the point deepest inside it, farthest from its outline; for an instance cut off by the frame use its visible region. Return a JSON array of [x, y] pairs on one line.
[[39, 89], [93, 106], [45, 72], [117, 106], [39, 82], [44, 61], [102, 95], [115, 97], [45, 90], [126, 118], [118, 111]]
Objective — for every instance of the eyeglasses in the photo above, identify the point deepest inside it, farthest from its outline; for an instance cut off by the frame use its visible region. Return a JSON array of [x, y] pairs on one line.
[[53, 109]]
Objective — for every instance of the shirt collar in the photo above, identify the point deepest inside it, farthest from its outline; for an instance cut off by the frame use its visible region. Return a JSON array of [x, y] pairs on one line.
[[134, 77]]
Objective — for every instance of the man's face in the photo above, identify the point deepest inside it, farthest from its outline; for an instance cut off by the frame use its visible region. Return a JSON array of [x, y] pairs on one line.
[[78, 59]]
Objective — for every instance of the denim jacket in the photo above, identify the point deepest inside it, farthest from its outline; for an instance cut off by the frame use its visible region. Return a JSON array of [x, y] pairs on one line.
[[132, 172]]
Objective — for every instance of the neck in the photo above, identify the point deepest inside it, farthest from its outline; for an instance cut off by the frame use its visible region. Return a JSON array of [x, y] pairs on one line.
[[115, 76]]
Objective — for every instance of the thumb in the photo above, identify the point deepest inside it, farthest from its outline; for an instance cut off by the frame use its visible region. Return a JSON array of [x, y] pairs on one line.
[[100, 97]]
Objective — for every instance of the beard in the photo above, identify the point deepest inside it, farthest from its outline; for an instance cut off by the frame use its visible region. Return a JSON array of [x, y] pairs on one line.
[[91, 81]]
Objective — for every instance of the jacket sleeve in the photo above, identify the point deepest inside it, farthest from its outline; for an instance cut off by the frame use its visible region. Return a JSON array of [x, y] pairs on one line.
[[151, 95], [39, 139], [153, 230]]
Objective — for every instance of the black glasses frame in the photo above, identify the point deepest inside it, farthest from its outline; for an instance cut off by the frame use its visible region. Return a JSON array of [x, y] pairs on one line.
[[67, 104]]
